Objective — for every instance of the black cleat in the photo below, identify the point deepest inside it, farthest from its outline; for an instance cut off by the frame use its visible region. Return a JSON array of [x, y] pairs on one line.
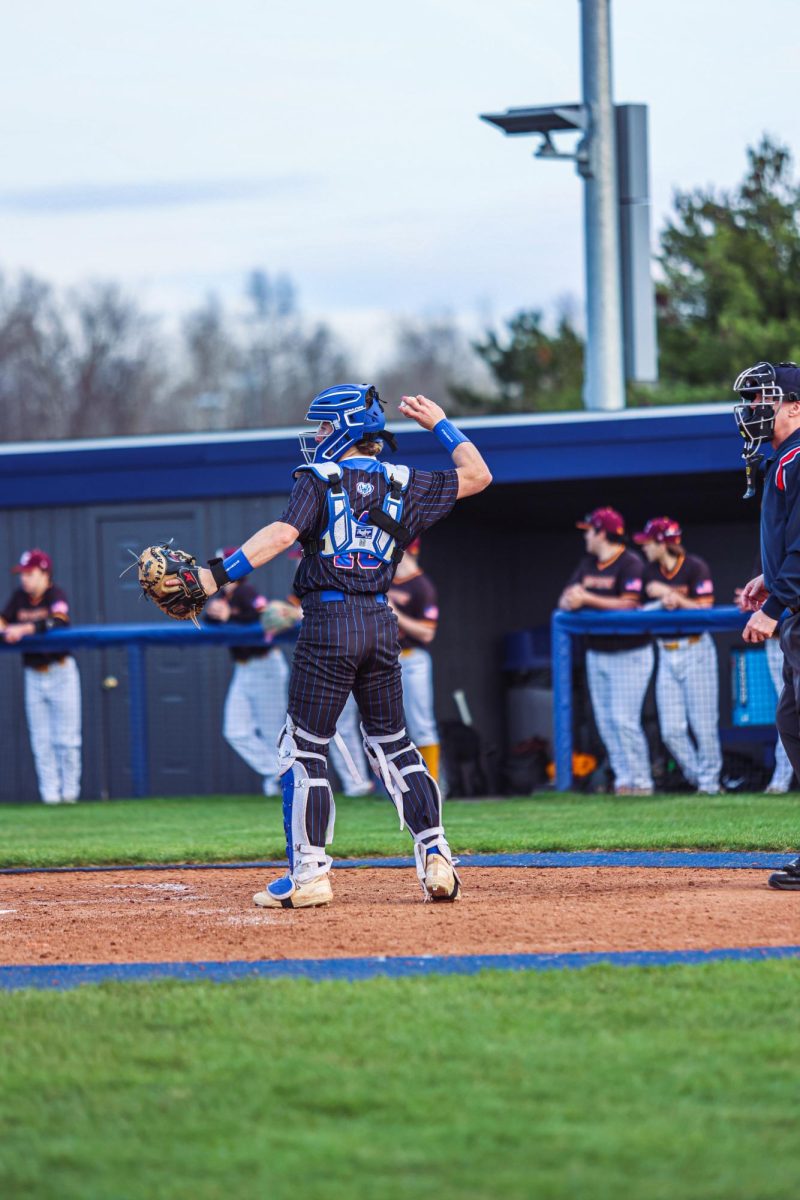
[[788, 878]]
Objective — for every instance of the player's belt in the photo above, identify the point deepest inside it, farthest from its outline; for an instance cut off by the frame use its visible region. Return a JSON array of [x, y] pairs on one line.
[[43, 668], [331, 595], [692, 640]]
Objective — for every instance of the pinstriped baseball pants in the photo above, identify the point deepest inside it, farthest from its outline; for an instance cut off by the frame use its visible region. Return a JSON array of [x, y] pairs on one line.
[[351, 645]]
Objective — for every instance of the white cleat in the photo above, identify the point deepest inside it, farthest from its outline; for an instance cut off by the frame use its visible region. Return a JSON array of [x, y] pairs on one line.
[[441, 881], [285, 893]]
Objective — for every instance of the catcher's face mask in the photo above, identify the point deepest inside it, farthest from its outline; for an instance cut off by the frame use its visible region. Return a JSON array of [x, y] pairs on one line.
[[761, 396]]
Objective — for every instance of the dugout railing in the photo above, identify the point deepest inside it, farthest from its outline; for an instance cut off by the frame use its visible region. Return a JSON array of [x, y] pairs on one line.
[[567, 627], [136, 640]]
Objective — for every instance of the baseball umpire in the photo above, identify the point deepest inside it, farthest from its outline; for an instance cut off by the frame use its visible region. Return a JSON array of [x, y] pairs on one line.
[[769, 411], [353, 515]]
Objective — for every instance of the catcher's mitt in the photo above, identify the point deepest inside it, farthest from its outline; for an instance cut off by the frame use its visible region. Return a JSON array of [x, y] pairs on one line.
[[278, 616], [170, 579]]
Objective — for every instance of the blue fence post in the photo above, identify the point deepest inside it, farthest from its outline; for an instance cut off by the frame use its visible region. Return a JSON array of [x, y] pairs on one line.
[[138, 719], [561, 641]]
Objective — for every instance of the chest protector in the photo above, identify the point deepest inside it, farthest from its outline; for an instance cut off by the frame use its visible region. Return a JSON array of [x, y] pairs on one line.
[[383, 535]]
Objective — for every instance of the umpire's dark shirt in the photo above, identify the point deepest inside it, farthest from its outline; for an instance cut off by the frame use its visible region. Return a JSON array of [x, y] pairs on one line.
[[780, 528]]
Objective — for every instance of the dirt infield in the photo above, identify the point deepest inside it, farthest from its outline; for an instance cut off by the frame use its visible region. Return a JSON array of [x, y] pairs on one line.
[[174, 916]]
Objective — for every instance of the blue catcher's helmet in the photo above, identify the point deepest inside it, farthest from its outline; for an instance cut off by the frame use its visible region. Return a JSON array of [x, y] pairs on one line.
[[353, 409]]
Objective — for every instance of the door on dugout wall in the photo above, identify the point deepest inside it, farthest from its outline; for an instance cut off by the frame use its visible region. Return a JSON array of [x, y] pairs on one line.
[[176, 679]]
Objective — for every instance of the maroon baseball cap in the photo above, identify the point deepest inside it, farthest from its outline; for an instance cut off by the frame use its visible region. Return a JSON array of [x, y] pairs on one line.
[[604, 520], [34, 558], [659, 529]]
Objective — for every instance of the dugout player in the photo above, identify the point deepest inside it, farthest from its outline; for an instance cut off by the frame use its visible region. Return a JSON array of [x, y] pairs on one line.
[[414, 602], [52, 681], [769, 411], [618, 668], [687, 678], [353, 514], [255, 705]]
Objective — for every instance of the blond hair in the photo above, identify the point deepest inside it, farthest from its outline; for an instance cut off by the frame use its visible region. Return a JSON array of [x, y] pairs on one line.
[[369, 445]]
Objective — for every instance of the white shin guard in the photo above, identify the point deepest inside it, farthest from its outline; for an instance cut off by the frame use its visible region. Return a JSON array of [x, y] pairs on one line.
[[393, 777], [307, 861], [425, 841]]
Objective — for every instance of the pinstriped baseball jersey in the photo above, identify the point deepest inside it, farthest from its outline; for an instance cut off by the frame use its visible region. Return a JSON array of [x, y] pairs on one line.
[[429, 497]]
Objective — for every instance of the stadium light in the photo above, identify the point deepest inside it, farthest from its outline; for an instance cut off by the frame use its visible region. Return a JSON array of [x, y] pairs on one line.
[[620, 308]]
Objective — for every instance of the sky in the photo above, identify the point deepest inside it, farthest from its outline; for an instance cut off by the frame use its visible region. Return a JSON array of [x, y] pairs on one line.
[[175, 145]]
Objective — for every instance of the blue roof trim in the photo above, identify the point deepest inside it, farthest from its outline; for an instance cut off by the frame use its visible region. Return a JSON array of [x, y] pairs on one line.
[[518, 451]]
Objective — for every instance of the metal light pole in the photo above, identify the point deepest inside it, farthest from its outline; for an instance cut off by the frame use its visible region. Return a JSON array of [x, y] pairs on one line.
[[595, 158], [604, 386]]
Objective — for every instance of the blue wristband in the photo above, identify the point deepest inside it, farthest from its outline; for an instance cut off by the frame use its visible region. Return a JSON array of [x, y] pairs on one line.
[[448, 435], [236, 565]]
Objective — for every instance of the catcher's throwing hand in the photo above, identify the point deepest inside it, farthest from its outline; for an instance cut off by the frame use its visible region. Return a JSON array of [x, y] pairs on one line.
[[422, 410], [172, 580]]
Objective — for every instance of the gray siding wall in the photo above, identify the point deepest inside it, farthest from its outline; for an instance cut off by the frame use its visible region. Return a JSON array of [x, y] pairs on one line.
[[499, 561]]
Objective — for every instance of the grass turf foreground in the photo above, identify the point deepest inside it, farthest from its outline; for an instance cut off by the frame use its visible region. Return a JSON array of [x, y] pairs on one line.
[[676, 1082], [231, 828]]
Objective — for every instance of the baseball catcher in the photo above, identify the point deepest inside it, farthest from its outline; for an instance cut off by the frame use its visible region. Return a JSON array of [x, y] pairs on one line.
[[353, 516]]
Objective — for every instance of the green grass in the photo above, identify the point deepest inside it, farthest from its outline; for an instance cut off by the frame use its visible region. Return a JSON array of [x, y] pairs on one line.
[[672, 1084], [227, 828]]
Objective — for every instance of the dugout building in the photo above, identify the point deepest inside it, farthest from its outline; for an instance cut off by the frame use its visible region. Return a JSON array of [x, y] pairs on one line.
[[499, 561]]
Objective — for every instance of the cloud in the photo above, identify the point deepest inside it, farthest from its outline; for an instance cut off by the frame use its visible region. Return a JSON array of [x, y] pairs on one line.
[[97, 197]]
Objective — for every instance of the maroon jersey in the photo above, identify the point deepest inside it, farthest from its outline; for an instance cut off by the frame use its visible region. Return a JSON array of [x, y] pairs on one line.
[[617, 576], [52, 604], [415, 597], [245, 605], [690, 576]]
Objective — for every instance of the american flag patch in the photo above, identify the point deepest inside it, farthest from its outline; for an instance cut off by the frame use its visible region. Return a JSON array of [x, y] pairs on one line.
[[705, 588], [633, 585], [60, 606], [432, 613]]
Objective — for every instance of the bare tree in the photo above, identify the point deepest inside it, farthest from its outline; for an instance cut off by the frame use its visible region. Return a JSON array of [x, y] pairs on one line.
[[435, 358], [117, 368], [284, 361], [35, 397], [206, 397]]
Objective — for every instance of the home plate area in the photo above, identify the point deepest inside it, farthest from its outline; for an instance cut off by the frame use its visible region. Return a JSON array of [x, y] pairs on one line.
[[175, 915]]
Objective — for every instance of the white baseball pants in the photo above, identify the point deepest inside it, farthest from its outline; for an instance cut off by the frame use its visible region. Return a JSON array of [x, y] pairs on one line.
[[617, 686], [53, 710], [255, 711], [687, 696], [781, 779], [417, 671]]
